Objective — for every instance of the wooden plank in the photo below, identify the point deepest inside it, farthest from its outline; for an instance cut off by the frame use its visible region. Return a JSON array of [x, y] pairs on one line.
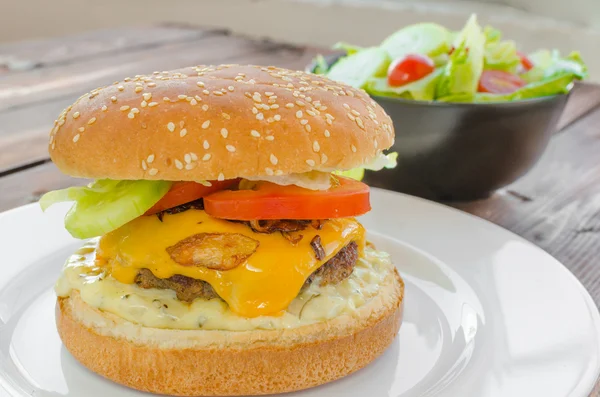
[[76, 78], [584, 98], [28, 186], [31, 54], [23, 131], [557, 205]]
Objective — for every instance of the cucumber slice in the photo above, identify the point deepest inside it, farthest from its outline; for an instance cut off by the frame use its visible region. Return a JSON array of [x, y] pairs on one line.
[[106, 205], [357, 68], [429, 39]]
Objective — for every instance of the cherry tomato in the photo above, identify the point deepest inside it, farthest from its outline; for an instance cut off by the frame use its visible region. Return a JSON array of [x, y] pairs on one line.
[[408, 69], [270, 201], [184, 192], [499, 82], [525, 62]]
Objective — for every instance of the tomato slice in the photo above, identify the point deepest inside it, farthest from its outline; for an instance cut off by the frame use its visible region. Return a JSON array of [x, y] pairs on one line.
[[525, 62], [184, 192], [411, 68], [270, 201], [499, 82]]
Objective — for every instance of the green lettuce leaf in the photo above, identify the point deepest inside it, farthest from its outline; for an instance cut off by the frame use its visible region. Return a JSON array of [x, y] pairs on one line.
[[356, 69], [461, 74], [382, 161], [549, 64], [321, 65], [423, 38], [420, 90], [349, 48], [105, 205], [502, 55]]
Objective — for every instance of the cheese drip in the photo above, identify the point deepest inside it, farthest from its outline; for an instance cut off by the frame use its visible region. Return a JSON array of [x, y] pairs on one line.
[[265, 284]]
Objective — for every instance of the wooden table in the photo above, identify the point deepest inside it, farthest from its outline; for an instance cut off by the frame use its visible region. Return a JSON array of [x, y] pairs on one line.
[[556, 206]]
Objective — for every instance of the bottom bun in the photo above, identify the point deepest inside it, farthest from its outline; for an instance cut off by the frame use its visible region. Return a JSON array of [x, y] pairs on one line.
[[210, 362]]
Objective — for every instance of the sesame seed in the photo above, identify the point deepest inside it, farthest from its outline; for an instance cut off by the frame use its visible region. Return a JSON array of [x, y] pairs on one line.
[[152, 104], [346, 106], [91, 121], [194, 156], [144, 104], [124, 108], [230, 88], [120, 88], [147, 96], [277, 117], [135, 110], [329, 116], [138, 89], [326, 133], [178, 164], [206, 124], [256, 97], [193, 102], [275, 106], [268, 93], [152, 171], [206, 145], [206, 92], [224, 132], [260, 116], [304, 122], [254, 110], [310, 162], [206, 157], [144, 166], [182, 96], [171, 126], [200, 84], [353, 148], [113, 98], [230, 148], [299, 114], [255, 133], [81, 129], [187, 158], [310, 112], [360, 123], [307, 127], [273, 159], [350, 116], [226, 116], [323, 158], [269, 171], [205, 107], [104, 108], [76, 138], [354, 112], [270, 138], [316, 146], [218, 93], [166, 99], [289, 105], [299, 103], [221, 177], [190, 166], [61, 122], [75, 115], [183, 133], [328, 121], [151, 84], [131, 115]]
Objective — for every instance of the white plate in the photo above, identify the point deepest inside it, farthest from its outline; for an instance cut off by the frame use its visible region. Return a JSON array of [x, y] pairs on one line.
[[487, 313]]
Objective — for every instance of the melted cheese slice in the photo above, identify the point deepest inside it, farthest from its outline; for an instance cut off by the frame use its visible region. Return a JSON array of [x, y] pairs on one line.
[[265, 284]]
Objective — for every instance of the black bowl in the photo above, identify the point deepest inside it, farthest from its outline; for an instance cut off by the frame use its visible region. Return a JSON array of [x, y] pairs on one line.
[[464, 151]]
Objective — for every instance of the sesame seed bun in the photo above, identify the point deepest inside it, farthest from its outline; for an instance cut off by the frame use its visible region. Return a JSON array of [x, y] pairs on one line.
[[218, 122], [211, 362]]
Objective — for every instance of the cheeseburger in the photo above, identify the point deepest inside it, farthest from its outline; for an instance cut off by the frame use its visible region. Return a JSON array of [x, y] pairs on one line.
[[222, 253]]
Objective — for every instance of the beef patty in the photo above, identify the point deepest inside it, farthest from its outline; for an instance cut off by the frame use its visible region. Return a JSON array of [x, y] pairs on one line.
[[187, 289]]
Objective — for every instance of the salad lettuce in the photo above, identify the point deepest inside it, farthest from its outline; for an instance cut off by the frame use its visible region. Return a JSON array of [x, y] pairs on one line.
[[465, 66]]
